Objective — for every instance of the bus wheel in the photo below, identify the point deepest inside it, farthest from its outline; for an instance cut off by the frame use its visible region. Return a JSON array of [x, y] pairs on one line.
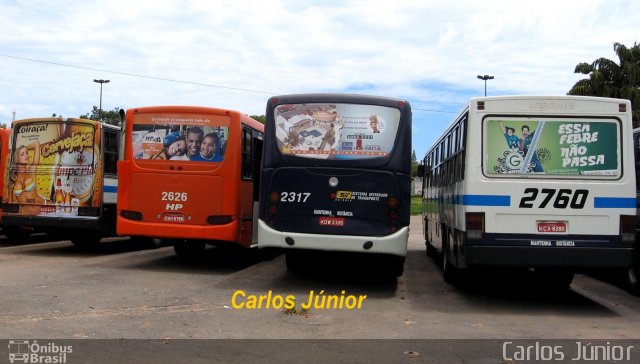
[[16, 233], [633, 277], [554, 278], [86, 240], [396, 266], [431, 250], [450, 273], [146, 242], [189, 249], [294, 261]]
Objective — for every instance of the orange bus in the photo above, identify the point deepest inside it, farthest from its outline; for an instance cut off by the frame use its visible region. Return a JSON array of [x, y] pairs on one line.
[[189, 176], [4, 154], [4, 151]]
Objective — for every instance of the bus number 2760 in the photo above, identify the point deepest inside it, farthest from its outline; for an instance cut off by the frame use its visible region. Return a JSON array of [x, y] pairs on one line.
[[563, 198]]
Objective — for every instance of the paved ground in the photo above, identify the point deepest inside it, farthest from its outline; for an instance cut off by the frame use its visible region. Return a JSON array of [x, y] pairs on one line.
[[51, 290]]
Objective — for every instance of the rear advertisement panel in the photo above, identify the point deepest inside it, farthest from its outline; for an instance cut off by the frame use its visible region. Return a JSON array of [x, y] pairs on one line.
[[55, 167], [188, 137], [552, 147], [336, 131]]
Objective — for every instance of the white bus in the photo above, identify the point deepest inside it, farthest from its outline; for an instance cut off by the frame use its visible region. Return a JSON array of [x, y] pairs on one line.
[[544, 182], [633, 272]]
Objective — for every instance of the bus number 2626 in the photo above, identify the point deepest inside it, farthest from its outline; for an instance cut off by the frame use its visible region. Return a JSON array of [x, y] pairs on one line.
[[174, 196], [563, 198]]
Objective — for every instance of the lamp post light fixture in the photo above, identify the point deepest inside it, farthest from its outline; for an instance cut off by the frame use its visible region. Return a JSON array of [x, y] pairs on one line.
[[485, 78], [101, 82]]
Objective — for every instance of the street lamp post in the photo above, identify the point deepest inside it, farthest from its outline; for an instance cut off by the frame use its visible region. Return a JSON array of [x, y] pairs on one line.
[[101, 82], [485, 78]]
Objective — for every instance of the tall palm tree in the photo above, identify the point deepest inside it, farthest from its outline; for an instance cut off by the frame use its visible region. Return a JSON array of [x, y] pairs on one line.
[[610, 79]]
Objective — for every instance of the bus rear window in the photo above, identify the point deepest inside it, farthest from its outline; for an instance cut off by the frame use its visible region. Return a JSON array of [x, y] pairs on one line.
[[568, 147], [336, 131], [188, 137]]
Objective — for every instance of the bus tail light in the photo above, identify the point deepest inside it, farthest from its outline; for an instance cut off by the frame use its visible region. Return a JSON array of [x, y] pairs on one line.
[[272, 208], [131, 215], [219, 220], [393, 206], [475, 225], [628, 228]]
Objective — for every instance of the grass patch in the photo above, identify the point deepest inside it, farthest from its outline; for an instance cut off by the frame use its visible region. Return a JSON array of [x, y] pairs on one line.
[[416, 205]]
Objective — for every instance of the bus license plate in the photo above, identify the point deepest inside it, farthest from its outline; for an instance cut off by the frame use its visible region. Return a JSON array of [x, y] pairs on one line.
[[332, 221], [173, 217], [552, 226]]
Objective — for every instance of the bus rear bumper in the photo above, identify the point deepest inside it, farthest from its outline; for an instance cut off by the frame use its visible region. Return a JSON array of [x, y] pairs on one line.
[[394, 244], [568, 257], [226, 232], [51, 222]]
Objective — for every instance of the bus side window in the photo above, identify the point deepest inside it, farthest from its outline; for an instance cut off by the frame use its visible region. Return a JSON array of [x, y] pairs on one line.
[[110, 152], [257, 158], [247, 154]]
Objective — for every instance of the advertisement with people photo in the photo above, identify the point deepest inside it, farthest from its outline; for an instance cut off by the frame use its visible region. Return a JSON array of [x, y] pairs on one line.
[[54, 167], [336, 131], [553, 147], [180, 137]]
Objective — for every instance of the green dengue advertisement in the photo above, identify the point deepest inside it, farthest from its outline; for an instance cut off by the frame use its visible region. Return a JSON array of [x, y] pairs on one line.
[[552, 147]]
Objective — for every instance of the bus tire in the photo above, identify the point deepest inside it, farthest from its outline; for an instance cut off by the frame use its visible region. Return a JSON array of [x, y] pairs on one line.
[[633, 277], [146, 242], [189, 249], [85, 240], [431, 251], [396, 266], [16, 234], [294, 261], [450, 273], [554, 278]]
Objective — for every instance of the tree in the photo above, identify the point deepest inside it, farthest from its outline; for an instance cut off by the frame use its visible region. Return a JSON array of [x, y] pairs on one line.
[[610, 79], [414, 164], [260, 118], [110, 117]]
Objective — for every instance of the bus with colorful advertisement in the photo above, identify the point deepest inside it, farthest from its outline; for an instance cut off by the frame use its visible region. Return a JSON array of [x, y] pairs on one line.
[[542, 182], [61, 179], [336, 177], [189, 176]]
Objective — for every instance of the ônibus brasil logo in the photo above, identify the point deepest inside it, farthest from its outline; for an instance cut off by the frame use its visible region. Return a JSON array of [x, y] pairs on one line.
[[25, 351]]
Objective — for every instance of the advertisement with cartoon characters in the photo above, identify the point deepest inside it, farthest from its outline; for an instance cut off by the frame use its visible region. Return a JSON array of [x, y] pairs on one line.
[[552, 147], [54, 167], [336, 131], [187, 137]]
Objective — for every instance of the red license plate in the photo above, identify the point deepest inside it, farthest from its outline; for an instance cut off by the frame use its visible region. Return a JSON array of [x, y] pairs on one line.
[[173, 217], [332, 221], [552, 226]]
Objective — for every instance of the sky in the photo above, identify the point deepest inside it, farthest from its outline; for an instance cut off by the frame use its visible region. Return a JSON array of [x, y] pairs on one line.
[[237, 54]]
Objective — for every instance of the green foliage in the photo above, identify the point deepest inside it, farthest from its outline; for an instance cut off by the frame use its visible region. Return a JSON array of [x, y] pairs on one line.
[[416, 205], [109, 117], [260, 118], [610, 79]]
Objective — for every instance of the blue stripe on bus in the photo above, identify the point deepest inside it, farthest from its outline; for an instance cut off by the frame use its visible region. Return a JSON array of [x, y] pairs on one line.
[[482, 200], [113, 189], [614, 202]]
